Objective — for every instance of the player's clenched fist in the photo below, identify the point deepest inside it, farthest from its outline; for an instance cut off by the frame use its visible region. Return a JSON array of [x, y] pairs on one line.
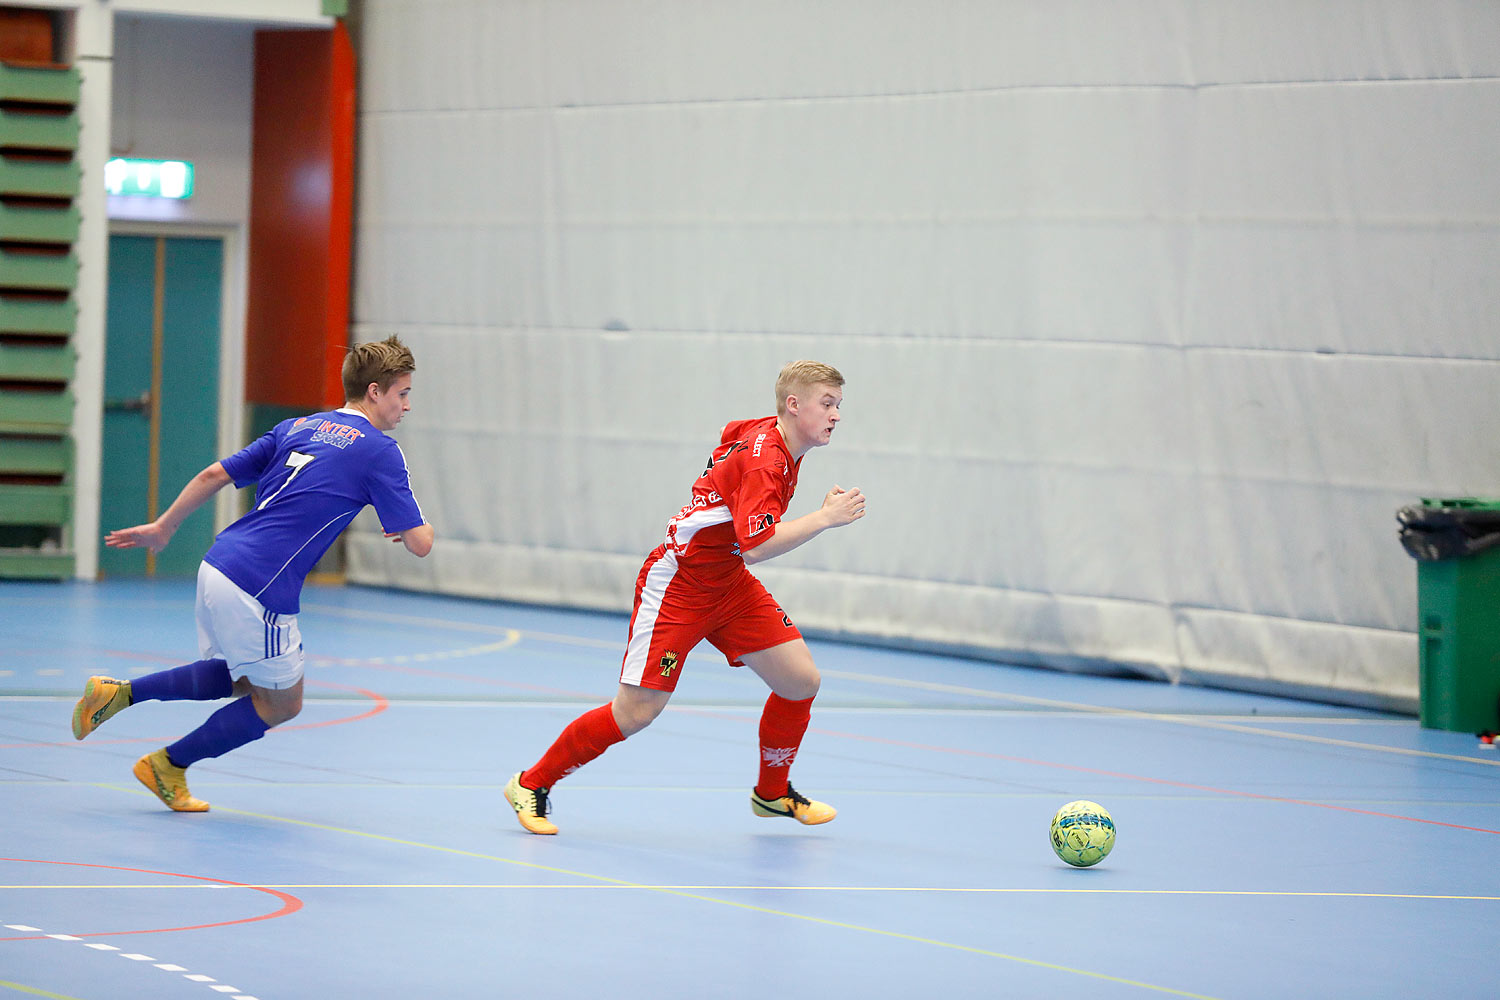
[[844, 505]]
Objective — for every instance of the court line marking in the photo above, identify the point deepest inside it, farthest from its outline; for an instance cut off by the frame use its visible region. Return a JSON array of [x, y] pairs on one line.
[[1133, 777], [396, 618], [167, 967], [381, 704], [463, 626], [939, 890], [1237, 793], [441, 654], [1168, 782], [289, 903], [953, 689], [686, 894], [386, 786], [32, 990], [513, 636], [420, 671], [1180, 720]]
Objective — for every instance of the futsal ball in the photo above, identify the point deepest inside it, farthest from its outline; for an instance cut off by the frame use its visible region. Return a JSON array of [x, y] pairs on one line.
[[1083, 833]]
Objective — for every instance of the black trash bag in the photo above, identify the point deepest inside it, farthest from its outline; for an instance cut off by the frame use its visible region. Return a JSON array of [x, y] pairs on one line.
[[1433, 533]]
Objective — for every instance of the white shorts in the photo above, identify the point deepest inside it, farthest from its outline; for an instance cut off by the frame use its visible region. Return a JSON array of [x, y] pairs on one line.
[[261, 646]]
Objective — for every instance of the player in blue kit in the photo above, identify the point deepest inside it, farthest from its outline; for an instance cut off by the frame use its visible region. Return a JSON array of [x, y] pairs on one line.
[[313, 475]]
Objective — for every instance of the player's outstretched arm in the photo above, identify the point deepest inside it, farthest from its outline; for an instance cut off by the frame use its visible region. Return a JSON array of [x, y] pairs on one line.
[[158, 533], [840, 507]]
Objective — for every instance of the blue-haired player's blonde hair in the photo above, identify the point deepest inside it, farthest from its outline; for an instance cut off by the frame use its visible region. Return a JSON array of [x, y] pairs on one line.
[[379, 361]]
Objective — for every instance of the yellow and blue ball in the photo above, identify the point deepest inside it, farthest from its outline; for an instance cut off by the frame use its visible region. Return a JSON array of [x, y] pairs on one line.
[[1083, 833]]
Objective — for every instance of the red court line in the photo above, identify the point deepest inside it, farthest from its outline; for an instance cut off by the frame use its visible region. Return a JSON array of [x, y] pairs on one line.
[[289, 903], [1155, 781], [381, 704]]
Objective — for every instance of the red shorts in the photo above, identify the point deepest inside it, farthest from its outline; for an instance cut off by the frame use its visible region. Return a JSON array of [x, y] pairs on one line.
[[672, 616]]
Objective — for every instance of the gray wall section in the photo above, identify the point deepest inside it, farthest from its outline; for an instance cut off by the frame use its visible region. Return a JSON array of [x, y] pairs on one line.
[[1152, 313], [183, 89]]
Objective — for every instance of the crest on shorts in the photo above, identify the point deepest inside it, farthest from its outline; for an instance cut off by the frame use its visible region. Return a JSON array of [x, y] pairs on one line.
[[668, 663]]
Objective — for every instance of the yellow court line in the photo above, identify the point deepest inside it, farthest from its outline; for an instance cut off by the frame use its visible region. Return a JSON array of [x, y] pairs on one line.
[[1180, 720], [938, 890], [33, 991], [686, 894], [690, 790]]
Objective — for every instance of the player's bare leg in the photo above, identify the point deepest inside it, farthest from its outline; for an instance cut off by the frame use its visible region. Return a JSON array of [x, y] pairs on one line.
[[273, 705], [635, 708], [793, 678], [787, 669]]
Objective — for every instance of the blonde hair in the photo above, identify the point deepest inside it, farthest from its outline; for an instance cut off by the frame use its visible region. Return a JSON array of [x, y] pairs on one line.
[[801, 374], [379, 361]]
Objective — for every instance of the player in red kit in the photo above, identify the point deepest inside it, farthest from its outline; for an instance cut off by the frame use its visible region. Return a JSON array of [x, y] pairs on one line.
[[696, 586]]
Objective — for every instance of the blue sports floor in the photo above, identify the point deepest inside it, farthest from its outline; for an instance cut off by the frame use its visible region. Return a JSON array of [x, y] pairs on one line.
[[1267, 848]]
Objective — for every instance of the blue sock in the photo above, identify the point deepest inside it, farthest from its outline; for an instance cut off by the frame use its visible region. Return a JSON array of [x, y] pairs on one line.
[[232, 726], [206, 680]]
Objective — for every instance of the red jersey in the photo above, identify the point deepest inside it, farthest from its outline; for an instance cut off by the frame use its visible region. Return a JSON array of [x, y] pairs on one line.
[[736, 503]]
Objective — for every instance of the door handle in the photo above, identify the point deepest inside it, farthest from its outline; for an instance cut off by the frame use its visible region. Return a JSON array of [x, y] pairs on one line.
[[138, 404]]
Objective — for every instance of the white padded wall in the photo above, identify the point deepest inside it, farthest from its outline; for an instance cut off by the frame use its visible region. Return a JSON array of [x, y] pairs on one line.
[[1152, 313]]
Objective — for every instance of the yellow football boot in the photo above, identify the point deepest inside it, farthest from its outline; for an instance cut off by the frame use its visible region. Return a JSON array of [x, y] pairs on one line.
[[793, 806], [169, 782], [530, 806], [102, 698]]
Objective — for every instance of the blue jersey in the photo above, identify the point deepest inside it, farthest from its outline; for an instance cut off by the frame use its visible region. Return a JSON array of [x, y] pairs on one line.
[[315, 474]]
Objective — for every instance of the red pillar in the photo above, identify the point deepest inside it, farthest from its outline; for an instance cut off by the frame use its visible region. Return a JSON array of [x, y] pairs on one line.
[[301, 200]]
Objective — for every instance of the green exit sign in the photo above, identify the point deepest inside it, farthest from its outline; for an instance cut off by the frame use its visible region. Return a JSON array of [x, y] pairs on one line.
[[151, 178]]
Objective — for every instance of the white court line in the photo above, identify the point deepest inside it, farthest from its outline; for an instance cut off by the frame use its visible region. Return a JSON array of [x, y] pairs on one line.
[[513, 635], [649, 887], [489, 702], [1179, 720], [442, 654], [423, 620], [135, 956]]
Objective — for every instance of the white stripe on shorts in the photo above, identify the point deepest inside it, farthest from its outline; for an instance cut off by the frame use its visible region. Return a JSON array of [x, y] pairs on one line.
[[259, 644], [273, 634], [658, 578]]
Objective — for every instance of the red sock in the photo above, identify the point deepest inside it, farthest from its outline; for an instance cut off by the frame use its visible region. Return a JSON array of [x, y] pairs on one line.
[[585, 738], [782, 725]]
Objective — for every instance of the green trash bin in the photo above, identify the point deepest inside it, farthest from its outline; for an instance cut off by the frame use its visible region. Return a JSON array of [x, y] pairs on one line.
[[1457, 546]]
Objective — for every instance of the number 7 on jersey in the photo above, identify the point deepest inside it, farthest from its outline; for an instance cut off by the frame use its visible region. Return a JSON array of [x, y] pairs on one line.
[[296, 461]]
